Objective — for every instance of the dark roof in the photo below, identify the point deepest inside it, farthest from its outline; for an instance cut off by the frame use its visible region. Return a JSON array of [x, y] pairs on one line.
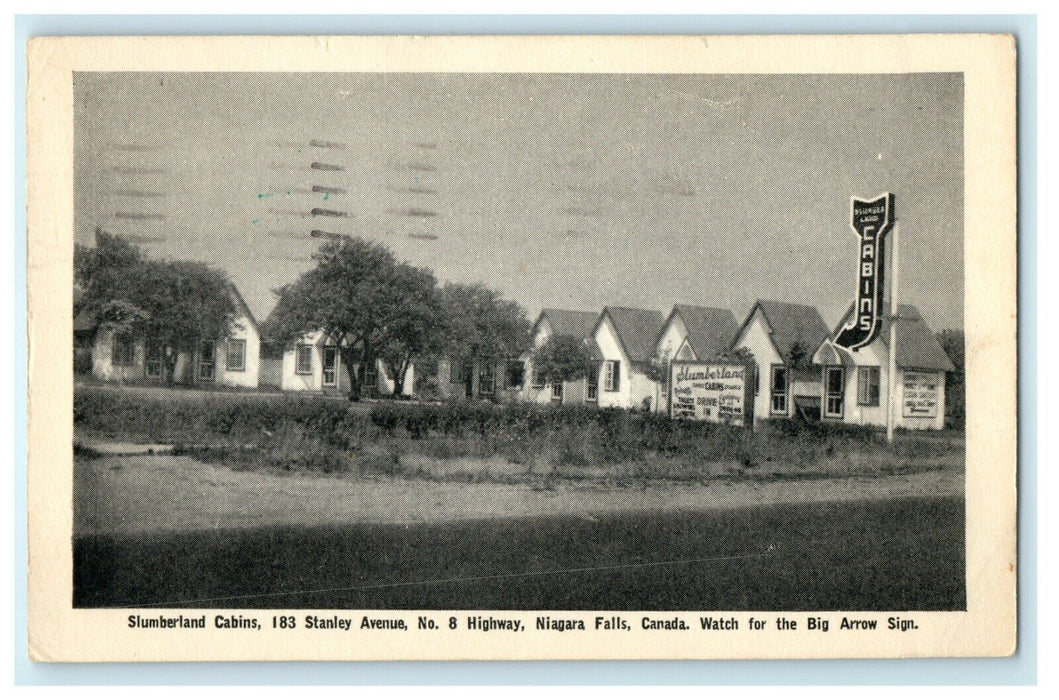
[[710, 331], [637, 330], [917, 346], [791, 324], [577, 324]]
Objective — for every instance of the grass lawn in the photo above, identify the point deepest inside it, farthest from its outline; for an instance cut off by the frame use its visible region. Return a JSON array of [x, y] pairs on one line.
[[900, 554]]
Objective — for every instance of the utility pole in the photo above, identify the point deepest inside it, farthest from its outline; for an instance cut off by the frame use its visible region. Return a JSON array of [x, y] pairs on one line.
[[891, 383]]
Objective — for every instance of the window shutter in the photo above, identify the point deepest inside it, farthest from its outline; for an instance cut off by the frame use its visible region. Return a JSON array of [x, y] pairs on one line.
[[617, 375]]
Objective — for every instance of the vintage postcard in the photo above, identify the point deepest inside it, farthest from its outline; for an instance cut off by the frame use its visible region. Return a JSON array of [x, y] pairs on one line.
[[521, 347]]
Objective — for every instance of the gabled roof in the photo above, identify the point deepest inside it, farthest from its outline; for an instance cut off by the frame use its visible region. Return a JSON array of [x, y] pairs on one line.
[[710, 331], [577, 324], [917, 346], [789, 324], [573, 324], [637, 330], [241, 303]]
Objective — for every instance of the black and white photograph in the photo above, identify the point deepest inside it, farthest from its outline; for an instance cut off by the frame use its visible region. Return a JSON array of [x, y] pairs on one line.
[[522, 352]]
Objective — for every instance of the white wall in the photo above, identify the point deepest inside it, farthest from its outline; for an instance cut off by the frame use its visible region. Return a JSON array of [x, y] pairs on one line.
[[186, 370], [102, 356], [529, 393], [607, 340], [875, 355], [755, 337], [291, 380], [672, 336], [248, 377], [633, 386], [385, 384]]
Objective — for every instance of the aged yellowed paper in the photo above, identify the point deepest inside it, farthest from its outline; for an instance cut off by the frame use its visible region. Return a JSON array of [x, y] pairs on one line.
[[521, 347]]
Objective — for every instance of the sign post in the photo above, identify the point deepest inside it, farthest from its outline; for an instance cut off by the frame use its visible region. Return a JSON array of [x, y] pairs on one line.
[[891, 385]]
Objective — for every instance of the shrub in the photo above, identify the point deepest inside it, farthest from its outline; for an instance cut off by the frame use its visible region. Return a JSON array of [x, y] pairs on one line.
[[314, 433], [208, 417]]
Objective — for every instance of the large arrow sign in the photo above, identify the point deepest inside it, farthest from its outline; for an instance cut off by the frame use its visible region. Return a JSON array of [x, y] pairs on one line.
[[871, 221]]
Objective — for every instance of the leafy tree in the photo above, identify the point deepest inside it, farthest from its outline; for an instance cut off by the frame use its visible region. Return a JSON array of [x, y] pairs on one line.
[[563, 358], [481, 324], [952, 341], [96, 265], [369, 304], [172, 304], [800, 356], [657, 370], [415, 324]]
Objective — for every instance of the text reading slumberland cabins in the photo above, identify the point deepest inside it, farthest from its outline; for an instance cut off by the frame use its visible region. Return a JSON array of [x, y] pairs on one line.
[[518, 624]]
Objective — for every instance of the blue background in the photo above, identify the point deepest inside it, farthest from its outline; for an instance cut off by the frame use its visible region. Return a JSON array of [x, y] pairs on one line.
[[1019, 669]]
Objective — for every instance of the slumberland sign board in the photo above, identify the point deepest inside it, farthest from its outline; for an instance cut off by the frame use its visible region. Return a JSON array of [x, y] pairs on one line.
[[709, 392], [920, 395]]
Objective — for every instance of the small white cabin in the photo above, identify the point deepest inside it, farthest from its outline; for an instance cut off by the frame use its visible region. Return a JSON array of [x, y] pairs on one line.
[[855, 383]]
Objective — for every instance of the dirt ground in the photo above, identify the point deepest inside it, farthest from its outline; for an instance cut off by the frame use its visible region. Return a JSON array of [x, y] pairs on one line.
[[151, 493]]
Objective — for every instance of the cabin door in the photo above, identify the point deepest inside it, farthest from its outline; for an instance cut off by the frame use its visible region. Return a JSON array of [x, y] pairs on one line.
[[330, 367]]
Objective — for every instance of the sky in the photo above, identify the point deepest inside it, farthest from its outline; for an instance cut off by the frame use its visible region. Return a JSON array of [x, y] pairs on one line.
[[560, 190]]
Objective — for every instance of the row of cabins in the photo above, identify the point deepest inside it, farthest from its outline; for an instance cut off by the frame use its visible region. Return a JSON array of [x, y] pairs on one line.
[[799, 371], [313, 364]]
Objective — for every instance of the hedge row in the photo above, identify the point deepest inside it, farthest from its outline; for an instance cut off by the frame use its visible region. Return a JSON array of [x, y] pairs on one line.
[[201, 417], [574, 435]]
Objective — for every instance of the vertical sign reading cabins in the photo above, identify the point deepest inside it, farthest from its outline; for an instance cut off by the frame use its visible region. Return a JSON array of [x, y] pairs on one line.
[[709, 392], [871, 220]]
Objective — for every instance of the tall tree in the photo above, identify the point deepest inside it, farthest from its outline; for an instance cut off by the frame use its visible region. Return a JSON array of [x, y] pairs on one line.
[[172, 304], [482, 325], [412, 322], [98, 264], [369, 304], [952, 341]]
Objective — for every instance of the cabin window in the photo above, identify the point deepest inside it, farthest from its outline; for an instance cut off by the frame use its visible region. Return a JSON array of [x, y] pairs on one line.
[[611, 375], [455, 372], [236, 358], [486, 379], [516, 374], [152, 361], [868, 386], [370, 376], [835, 387], [779, 387], [592, 383], [122, 350], [207, 360], [330, 366], [557, 391], [537, 381], [304, 360]]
